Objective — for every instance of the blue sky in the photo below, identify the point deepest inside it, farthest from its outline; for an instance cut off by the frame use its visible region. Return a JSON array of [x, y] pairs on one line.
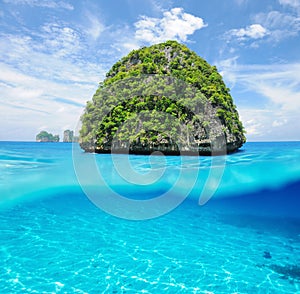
[[53, 54]]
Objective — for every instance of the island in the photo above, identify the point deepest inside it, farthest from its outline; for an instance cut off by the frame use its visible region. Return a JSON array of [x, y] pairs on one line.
[[162, 98], [68, 136], [44, 136]]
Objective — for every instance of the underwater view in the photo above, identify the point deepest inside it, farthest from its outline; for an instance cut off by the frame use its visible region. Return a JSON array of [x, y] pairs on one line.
[[244, 238], [149, 146]]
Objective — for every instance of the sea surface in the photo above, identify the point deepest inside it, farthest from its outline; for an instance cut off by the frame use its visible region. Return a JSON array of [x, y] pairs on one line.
[[72, 222]]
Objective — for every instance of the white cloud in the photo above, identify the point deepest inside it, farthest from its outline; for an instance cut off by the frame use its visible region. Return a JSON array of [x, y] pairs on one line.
[[253, 123], [280, 25], [174, 25], [226, 67], [279, 84], [292, 3], [279, 122], [272, 26], [121, 40], [42, 3], [254, 31], [95, 27], [59, 39], [276, 19], [269, 125], [157, 5], [48, 58]]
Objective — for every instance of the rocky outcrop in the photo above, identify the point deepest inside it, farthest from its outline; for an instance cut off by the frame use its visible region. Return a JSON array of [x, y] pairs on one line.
[[68, 136]]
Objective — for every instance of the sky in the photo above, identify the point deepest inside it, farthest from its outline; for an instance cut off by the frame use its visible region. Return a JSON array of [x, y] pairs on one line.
[[53, 54]]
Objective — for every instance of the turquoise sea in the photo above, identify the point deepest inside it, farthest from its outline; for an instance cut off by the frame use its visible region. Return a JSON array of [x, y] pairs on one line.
[[233, 225]]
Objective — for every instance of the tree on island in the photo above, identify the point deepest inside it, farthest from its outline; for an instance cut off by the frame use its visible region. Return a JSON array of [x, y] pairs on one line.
[[44, 136]]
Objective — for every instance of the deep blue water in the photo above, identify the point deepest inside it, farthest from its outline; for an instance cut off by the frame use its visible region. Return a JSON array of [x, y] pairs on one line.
[[243, 238]]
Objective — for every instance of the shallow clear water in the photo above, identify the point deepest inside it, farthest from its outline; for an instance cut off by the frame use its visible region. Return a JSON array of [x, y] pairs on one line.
[[245, 239]]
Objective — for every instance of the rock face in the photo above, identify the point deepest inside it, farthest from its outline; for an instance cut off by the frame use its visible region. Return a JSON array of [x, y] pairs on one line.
[[68, 136], [162, 98]]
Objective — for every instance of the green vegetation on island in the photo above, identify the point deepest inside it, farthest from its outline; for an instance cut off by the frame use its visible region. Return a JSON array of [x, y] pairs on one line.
[[44, 136], [161, 98]]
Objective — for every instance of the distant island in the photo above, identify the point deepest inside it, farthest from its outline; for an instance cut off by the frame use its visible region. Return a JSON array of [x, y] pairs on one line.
[[161, 98], [68, 137], [44, 136]]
